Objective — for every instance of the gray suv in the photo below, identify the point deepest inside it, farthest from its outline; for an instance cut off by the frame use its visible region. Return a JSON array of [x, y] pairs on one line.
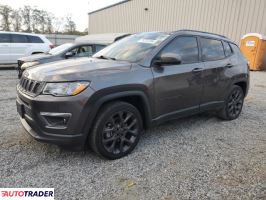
[[107, 101]]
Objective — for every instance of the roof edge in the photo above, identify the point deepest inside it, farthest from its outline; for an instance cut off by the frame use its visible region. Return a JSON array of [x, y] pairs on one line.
[[112, 5]]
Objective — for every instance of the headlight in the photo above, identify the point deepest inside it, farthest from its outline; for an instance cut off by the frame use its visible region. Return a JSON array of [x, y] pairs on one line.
[[29, 64], [65, 88]]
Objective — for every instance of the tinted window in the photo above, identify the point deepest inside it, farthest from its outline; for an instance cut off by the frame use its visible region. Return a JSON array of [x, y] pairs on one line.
[[19, 38], [4, 38], [236, 50], [227, 49], [212, 49], [60, 49], [184, 48], [84, 51], [99, 47], [34, 39]]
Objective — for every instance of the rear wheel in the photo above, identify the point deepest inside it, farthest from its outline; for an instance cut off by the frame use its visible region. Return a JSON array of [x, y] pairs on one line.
[[116, 131], [233, 105]]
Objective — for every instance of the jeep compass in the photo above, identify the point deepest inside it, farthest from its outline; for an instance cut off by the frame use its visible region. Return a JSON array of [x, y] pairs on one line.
[[107, 101]]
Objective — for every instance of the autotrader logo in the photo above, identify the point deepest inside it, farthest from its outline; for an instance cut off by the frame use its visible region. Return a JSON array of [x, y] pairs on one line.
[[27, 193]]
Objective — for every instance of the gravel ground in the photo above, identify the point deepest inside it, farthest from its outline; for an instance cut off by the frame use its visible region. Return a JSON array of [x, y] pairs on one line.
[[199, 157]]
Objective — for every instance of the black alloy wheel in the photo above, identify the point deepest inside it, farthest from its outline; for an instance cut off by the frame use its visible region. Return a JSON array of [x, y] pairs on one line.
[[120, 132], [233, 105], [117, 130]]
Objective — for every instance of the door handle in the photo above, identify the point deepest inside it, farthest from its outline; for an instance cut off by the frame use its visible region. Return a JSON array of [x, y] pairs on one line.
[[197, 69], [229, 65]]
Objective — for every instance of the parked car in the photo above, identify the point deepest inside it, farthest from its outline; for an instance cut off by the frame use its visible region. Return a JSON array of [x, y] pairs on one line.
[[83, 46], [140, 81], [14, 45]]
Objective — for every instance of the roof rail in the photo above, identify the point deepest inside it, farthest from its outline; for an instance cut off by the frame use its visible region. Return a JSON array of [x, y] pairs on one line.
[[204, 32]]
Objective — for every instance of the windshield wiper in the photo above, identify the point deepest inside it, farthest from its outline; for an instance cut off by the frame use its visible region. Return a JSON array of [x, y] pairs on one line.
[[105, 57]]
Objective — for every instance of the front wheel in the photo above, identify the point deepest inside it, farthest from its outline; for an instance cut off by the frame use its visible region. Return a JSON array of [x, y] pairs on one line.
[[117, 130], [233, 104]]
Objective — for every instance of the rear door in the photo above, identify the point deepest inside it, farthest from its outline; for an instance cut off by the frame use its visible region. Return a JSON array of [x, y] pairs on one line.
[[5, 40], [19, 47], [215, 61], [178, 88]]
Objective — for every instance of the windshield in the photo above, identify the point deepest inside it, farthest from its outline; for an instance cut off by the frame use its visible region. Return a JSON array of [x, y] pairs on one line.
[[60, 49], [132, 48]]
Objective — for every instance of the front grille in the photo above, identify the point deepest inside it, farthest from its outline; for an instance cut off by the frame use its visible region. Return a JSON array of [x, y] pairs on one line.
[[30, 87]]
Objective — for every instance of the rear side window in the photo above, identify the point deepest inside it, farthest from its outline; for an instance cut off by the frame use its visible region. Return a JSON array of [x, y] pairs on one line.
[[16, 38], [236, 50], [227, 49], [99, 47], [5, 38], [211, 49], [34, 39], [184, 47]]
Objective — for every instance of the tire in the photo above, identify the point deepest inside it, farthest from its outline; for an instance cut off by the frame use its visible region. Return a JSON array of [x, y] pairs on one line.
[[233, 104], [117, 130]]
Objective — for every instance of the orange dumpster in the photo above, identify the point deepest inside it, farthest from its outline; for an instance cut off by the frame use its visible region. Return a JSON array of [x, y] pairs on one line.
[[253, 46]]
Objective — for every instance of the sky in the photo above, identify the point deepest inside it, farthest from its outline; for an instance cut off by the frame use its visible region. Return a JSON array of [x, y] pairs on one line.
[[78, 9]]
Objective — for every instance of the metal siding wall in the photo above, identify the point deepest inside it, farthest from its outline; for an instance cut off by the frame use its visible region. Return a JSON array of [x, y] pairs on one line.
[[232, 18]]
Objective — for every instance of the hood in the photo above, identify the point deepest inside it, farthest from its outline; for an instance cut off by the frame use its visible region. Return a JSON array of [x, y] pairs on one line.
[[36, 57], [76, 69]]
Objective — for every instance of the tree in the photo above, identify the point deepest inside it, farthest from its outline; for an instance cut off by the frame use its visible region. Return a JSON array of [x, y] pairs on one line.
[[36, 20], [49, 23], [26, 14], [16, 20], [5, 13], [32, 19], [70, 26], [58, 22]]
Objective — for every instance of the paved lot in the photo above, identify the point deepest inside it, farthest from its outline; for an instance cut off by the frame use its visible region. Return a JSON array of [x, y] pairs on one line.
[[200, 157]]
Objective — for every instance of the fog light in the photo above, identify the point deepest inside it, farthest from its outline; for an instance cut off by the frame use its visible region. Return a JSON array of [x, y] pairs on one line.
[[55, 120]]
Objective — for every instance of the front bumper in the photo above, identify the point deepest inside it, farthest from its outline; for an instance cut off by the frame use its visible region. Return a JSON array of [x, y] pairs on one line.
[[61, 140], [35, 113]]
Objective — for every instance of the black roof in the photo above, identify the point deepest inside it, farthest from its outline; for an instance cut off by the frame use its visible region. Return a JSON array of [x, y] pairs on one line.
[[206, 34]]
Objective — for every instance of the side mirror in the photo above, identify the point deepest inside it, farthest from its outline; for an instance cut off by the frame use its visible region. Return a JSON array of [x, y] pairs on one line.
[[168, 59], [69, 54]]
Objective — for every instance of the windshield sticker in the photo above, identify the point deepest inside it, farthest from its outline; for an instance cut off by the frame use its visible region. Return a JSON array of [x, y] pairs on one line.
[[155, 41], [147, 41]]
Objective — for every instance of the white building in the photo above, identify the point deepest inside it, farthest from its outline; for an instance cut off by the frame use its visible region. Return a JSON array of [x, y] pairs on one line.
[[232, 18]]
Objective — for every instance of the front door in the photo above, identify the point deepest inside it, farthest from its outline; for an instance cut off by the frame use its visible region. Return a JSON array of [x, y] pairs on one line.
[[178, 87]]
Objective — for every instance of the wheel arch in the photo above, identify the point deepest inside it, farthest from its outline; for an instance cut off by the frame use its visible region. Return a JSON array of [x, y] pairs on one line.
[[243, 85], [137, 98]]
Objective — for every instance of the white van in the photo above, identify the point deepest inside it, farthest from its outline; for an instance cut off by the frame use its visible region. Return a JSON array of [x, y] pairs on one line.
[[14, 45]]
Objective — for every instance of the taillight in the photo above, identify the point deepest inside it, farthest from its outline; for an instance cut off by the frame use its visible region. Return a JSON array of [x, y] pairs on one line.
[[52, 46]]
